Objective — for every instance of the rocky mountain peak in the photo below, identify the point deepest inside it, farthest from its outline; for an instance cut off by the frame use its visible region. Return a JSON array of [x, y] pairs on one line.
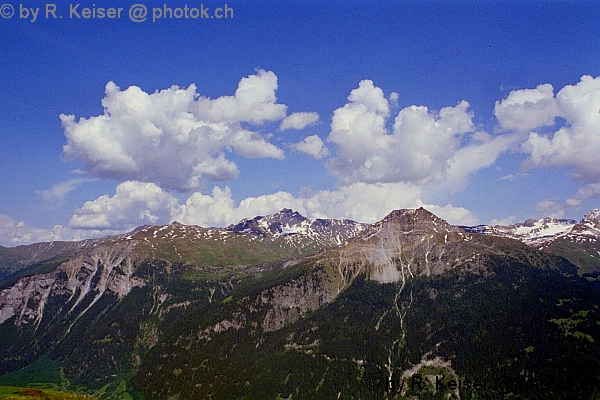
[[592, 216], [270, 224], [290, 224], [414, 218], [286, 216], [589, 224]]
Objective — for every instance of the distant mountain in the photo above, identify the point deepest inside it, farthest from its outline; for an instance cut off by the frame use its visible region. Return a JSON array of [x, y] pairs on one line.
[[296, 228], [283, 306], [531, 231], [285, 234], [578, 242]]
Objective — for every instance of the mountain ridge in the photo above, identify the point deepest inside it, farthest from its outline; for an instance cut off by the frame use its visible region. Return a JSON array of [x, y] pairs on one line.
[[578, 242], [289, 228], [161, 308]]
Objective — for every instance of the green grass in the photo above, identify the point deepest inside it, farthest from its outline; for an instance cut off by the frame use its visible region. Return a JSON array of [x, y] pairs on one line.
[[23, 393], [579, 254], [44, 380], [42, 371]]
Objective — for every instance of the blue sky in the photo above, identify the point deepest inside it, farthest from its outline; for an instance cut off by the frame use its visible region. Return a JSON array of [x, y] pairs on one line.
[[483, 112]]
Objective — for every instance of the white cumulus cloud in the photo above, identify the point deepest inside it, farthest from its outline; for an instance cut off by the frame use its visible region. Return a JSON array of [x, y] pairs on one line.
[[385, 158], [550, 208], [504, 221], [254, 101], [359, 201], [219, 208], [473, 157], [423, 147], [138, 203], [312, 145], [174, 137], [299, 120], [577, 143], [574, 143], [527, 109], [134, 204]]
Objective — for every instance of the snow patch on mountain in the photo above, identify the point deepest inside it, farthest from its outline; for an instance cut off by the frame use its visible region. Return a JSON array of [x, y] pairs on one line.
[[292, 225], [531, 231]]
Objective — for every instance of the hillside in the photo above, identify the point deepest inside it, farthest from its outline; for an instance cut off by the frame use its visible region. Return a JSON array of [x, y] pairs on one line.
[[283, 306]]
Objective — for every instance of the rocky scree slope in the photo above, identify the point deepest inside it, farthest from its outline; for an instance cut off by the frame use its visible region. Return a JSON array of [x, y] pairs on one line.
[[82, 279], [162, 309], [410, 296]]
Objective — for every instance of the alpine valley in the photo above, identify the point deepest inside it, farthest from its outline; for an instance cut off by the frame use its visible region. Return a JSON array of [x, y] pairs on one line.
[[287, 307]]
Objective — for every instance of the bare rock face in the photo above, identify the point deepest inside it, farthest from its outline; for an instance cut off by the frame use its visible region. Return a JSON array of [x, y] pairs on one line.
[[404, 244], [26, 299], [393, 250], [411, 219], [86, 277], [289, 302]]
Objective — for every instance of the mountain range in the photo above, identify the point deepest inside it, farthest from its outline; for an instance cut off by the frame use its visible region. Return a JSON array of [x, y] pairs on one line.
[[284, 306]]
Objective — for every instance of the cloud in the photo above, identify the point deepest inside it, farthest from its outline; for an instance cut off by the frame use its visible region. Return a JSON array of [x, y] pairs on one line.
[[134, 204], [453, 215], [509, 177], [358, 129], [174, 137], [505, 221], [575, 144], [219, 209], [56, 194], [527, 109], [360, 202], [254, 102], [370, 202], [393, 97], [550, 209], [312, 145], [417, 150], [473, 157], [13, 233], [553, 209], [423, 147], [299, 120], [385, 158], [138, 203], [589, 191], [546, 206]]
